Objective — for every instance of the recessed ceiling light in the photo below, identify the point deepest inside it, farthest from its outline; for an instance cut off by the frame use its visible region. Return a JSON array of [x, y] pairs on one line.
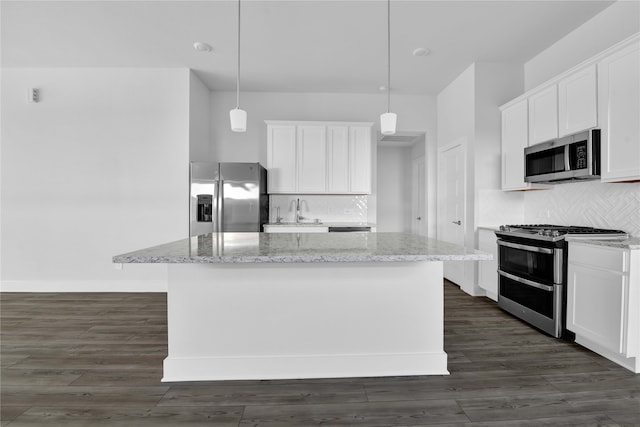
[[202, 47], [421, 51]]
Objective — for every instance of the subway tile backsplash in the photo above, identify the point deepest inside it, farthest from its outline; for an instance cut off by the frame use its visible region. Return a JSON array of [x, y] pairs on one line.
[[326, 208]]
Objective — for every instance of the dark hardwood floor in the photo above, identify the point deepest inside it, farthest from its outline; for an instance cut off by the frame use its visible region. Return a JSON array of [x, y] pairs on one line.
[[85, 359]]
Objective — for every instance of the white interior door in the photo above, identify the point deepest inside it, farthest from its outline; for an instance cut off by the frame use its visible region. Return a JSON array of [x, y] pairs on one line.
[[452, 202], [419, 219]]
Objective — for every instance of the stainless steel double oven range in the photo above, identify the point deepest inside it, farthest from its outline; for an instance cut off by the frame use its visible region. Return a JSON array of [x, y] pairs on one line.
[[532, 272]]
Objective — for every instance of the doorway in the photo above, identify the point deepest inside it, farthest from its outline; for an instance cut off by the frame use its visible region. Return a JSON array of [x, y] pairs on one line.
[[452, 177], [401, 183]]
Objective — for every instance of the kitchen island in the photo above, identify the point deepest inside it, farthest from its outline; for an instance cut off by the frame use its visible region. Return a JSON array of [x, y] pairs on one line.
[[303, 305]]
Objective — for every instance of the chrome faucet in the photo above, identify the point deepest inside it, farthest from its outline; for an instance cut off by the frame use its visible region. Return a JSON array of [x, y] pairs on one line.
[[299, 211]]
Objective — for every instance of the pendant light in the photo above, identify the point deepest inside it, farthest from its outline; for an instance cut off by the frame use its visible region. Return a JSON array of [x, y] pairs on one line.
[[238, 116], [388, 119]]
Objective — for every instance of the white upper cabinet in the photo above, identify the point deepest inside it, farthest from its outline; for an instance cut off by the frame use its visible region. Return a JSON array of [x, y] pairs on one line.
[[338, 159], [577, 101], [619, 110], [312, 159], [360, 159], [514, 140], [319, 157], [281, 159], [543, 115]]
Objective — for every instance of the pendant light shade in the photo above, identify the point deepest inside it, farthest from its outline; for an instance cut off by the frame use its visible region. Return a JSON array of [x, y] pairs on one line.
[[238, 120], [388, 123], [388, 119], [237, 116]]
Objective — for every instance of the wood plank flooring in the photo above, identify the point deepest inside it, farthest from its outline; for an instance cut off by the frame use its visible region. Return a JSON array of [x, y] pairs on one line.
[[85, 359]]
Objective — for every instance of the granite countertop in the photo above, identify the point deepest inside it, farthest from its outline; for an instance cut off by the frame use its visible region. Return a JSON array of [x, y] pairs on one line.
[[630, 243], [302, 248]]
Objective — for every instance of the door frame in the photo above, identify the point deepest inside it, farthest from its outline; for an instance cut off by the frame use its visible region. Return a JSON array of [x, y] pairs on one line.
[[418, 194], [462, 142], [455, 271]]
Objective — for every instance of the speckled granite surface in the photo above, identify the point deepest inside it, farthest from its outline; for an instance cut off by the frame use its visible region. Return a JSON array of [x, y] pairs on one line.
[[630, 243], [301, 248]]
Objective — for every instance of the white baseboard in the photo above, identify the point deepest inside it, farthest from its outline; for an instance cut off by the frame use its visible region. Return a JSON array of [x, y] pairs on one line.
[[631, 363], [83, 286], [298, 367]]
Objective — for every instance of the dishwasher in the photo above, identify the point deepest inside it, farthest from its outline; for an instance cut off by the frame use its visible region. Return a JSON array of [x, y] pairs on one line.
[[349, 229]]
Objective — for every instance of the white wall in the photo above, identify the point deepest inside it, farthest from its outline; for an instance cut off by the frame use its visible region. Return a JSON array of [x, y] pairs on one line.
[[496, 84], [468, 110], [456, 109], [614, 24], [98, 167], [394, 188], [200, 147], [456, 121]]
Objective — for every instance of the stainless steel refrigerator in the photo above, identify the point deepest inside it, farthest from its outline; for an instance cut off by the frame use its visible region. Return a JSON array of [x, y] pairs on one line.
[[227, 197]]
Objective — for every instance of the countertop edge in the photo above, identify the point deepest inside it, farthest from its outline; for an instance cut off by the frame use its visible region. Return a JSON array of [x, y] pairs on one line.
[[632, 243], [296, 259]]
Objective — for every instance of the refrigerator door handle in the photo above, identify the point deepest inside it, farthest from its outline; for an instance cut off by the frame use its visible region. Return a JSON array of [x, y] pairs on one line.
[[220, 214], [216, 204]]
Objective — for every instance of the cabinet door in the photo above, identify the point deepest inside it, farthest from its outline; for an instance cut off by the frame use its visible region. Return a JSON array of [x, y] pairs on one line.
[[514, 140], [543, 115], [577, 107], [488, 270], [281, 158], [596, 305], [312, 159], [338, 159], [619, 109], [360, 159]]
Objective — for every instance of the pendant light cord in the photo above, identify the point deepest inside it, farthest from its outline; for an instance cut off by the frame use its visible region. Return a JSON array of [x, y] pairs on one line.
[[238, 73], [388, 55]]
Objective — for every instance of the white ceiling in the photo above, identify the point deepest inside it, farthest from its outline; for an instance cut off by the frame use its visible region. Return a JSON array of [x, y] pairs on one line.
[[289, 46]]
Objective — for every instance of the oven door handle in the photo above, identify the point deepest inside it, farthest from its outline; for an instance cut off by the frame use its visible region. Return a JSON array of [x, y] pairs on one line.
[[547, 288], [525, 247]]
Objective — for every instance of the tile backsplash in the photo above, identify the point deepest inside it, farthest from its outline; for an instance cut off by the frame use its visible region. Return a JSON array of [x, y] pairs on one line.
[[326, 208], [594, 204]]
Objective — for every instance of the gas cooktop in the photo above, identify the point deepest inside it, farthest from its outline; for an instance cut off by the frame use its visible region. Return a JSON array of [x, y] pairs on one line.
[[555, 233]]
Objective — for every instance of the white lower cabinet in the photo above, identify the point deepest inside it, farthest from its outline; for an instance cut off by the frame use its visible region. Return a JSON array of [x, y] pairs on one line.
[[603, 301], [488, 270]]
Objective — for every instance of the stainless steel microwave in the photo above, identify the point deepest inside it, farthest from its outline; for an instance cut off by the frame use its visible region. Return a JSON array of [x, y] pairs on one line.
[[573, 157]]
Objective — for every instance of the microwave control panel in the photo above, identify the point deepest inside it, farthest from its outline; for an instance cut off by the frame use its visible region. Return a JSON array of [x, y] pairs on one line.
[[581, 156]]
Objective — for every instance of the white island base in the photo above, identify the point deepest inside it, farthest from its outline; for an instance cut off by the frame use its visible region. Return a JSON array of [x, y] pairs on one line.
[[237, 321]]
